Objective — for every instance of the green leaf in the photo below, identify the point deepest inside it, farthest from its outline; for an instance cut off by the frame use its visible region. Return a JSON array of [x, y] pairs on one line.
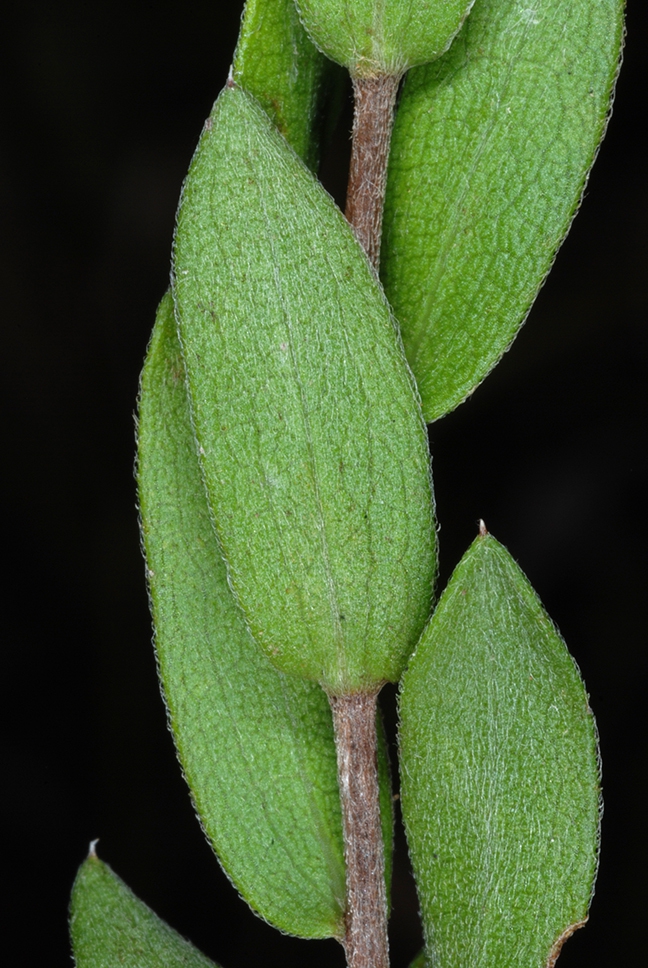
[[111, 927], [500, 775], [490, 153], [382, 36], [312, 443], [256, 747], [277, 63]]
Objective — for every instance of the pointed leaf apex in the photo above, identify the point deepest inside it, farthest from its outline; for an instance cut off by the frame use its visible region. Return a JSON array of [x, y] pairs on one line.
[[483, 530], [339, 596], [493, 713], [92, 849]]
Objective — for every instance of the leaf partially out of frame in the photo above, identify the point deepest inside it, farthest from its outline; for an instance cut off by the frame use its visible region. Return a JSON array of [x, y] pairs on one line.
[[256, 746], [384, 37], [276, 62], [491, 149], [500, 775], [111, 927], [312, 443]]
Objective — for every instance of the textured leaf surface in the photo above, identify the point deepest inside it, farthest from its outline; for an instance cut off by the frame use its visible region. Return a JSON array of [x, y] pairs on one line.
[[277, 63], [256, 746], [111, 927], [500, 779], [385, 37], [490, 153], [311, 437]]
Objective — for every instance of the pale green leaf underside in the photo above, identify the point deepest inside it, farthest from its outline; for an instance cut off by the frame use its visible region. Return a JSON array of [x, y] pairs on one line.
[[111, 927], [500, 776], [385, 37], [256, 747], [276, 62], [312, 443], [491, 149]]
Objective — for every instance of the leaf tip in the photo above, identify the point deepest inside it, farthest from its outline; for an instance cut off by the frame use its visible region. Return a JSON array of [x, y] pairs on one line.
[[483, 530], [92, 850]]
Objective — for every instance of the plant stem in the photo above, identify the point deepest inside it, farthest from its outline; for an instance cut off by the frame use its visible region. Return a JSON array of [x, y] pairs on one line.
[[354, 716], [374, 100], [365, 940]]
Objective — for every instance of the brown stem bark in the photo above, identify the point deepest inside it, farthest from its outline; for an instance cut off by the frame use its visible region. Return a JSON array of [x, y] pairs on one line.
[[354, 716], [365, 941], [373, 119]]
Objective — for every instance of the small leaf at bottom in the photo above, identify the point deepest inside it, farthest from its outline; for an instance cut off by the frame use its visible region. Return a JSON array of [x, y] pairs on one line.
[[110, 926]]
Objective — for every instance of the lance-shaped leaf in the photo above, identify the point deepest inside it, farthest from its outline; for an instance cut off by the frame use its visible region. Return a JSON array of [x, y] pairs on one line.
[[312, 442], [110, 926], [256, 746], [500, 776], [373, 37], [491, 149], [277, 63]]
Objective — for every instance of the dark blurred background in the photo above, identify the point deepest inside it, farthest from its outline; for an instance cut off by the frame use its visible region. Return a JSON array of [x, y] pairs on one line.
[[103, 106]]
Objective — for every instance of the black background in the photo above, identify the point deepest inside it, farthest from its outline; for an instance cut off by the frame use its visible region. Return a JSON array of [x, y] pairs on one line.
[[103, 106]]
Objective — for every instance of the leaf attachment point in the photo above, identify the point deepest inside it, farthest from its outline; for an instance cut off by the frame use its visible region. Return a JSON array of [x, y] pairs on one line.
[[378, 37], [311, 439]]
